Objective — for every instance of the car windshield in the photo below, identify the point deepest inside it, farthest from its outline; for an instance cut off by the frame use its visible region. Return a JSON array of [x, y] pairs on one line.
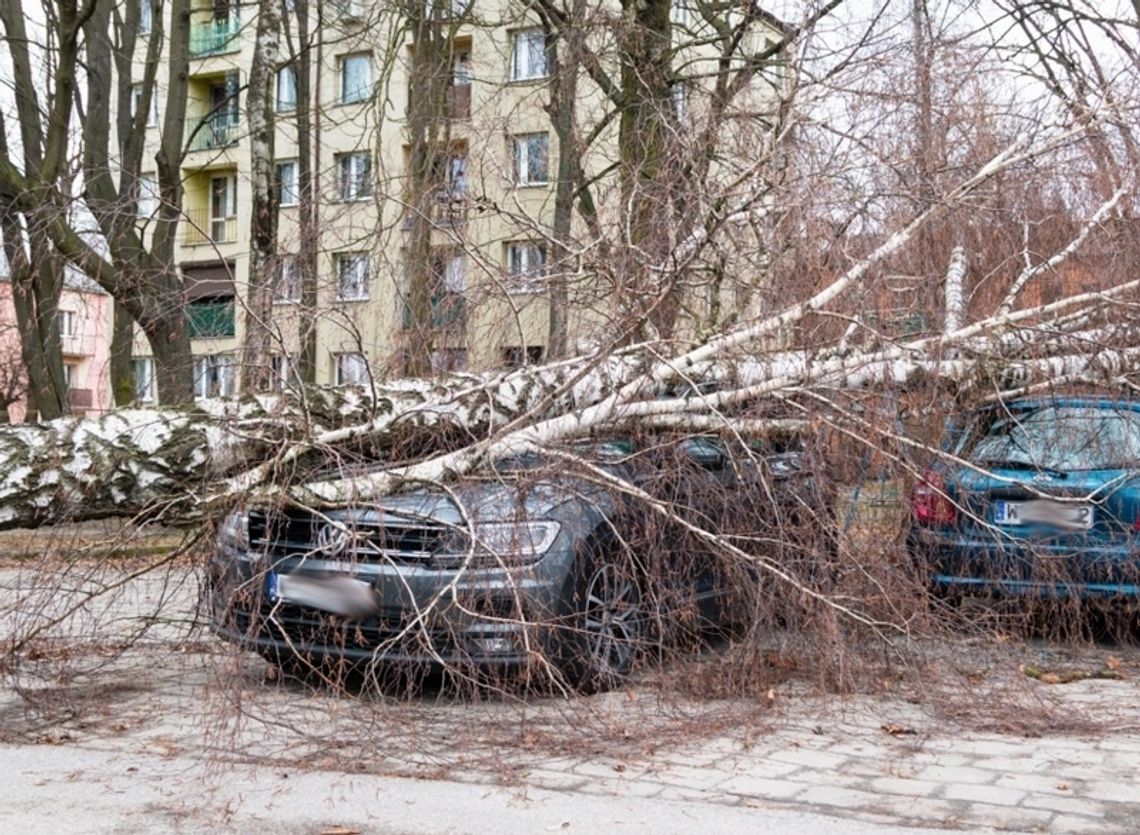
[[1057, 438]]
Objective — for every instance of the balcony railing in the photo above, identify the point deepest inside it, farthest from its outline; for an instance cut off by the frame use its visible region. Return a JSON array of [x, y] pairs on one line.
[[77, 345], [80, 398], [214, 37], [218, 131], [211, 318], [201, 228]]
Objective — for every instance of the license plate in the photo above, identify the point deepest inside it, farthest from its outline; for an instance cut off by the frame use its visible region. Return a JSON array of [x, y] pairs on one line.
[[1077, 517], [336, 593]]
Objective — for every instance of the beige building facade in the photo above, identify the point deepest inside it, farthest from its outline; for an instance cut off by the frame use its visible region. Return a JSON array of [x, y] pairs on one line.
[[491, 223]]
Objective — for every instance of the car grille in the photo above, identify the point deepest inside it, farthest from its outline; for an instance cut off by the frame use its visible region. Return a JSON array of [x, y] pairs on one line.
[[296, 533]]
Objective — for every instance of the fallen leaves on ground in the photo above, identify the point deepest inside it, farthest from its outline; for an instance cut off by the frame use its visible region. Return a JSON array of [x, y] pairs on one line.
[[1110, 672]]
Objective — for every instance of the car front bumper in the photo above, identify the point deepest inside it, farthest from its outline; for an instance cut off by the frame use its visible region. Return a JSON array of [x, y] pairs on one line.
[[484, 618]]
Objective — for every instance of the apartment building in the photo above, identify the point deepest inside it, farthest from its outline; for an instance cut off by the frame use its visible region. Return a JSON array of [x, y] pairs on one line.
[[491, 219], [84, 319]]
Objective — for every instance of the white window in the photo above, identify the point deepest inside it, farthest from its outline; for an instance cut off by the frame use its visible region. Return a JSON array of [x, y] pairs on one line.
[[351, 369], [287, 188], [70, 375], [454, 176], [461, 69], [143, 368], [679, 96], [286, 89], [355, 176], [355, 78], [214, 376], [531, 159], [526, 264], [287, 287], [145, 17], [146, 192], [136, 103], [223, 209], [352, 272], [528, 55], [282, 372], [67, 321], [681, 13]]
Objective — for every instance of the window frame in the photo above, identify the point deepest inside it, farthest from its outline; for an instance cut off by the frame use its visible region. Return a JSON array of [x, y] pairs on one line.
[[221, 366], [142, 375], [525, 279], [360, 282], [288, 275], [295, 191], [362, 375], [363, 92], [287, 104], [532, 73], [353, 183], [521, 157], [147, 196]]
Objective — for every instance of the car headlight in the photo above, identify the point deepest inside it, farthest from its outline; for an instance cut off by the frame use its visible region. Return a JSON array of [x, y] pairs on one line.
[[234, 531], [502, 543]]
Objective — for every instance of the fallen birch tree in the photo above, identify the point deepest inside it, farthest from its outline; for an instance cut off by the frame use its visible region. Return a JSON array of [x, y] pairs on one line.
[[175, 464]]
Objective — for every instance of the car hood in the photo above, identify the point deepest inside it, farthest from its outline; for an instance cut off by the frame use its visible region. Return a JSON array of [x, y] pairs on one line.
[[500, 500]]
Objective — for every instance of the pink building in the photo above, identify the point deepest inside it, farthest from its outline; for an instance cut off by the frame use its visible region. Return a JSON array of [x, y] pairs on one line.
[[85, 330]]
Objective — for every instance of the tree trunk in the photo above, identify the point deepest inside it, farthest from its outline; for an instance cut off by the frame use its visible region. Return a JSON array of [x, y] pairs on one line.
[[263, 260]]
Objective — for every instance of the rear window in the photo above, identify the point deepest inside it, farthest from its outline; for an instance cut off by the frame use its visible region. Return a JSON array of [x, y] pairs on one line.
[[1055, 437]]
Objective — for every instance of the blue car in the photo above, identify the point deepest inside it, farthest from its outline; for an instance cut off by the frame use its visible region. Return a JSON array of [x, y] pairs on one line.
[[1037, 498]]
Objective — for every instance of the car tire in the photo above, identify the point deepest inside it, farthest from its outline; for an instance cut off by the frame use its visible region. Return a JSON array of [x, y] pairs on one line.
[[603, 627]]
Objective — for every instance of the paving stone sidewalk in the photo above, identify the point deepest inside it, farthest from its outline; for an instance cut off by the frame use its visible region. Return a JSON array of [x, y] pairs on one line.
[[900, 769]]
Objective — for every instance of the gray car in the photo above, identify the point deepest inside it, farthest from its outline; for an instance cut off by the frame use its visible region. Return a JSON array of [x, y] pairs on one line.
[[537, 566]]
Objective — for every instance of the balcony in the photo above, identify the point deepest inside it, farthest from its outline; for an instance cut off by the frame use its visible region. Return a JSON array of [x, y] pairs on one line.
[[200, 228], [448, 312], [221, 130], [215, 37], [77, 345], [80, 398], [211, 318]]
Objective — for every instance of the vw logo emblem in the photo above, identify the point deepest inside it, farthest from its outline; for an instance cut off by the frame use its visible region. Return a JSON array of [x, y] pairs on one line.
[[332, 539]]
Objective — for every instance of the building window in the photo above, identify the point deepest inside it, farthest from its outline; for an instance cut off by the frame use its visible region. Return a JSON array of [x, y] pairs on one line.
[[223, 209], [146, 21], [214, 376], [679, 99], [531, 154], [282, 372], [351, 369], [354, 176], [681, 13], [526, 265], [517, 356], [143, 374], [529, 57], [136, 104], [355, 78], [287, 287], [67, 322], [287, 189], [352, 272], [451, 171], [146, 194], [286, 89]]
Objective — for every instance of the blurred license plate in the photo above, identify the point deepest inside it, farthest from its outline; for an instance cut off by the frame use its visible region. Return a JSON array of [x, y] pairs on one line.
[[338, 594], [1043, 511]]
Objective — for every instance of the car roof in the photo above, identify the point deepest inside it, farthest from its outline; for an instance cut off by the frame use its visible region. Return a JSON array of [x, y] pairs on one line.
[[1070, 401]]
